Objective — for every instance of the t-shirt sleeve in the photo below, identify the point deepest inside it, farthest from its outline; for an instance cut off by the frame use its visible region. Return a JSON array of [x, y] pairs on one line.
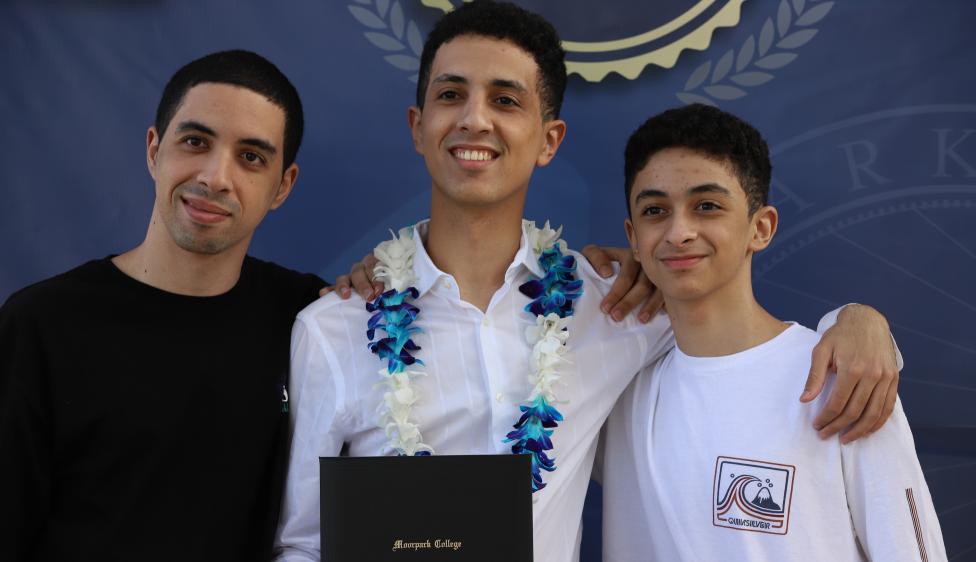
[[889, 501], [25, 435]]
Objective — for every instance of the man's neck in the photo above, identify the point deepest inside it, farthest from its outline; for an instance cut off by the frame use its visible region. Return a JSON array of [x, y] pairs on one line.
[[725, 322], [476, 247], [160, 263]]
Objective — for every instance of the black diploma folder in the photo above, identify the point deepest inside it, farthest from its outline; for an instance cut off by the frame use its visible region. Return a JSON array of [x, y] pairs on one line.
[[464, 508]]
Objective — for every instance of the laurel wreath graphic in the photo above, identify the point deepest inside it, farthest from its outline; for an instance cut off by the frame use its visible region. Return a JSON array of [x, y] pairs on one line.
[[755, 56], [393, 33]]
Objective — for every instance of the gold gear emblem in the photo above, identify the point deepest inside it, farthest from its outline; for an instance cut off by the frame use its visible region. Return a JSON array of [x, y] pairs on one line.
[[660, 46]]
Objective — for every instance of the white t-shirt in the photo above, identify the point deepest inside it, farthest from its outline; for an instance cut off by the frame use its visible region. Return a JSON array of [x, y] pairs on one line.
[[714, 458]]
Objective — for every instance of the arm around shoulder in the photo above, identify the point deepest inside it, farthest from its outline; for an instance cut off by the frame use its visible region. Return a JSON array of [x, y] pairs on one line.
[[860, 350]]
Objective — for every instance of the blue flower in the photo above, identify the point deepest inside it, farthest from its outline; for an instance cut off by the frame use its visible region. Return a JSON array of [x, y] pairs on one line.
[[557, 289], [532, 437], [393, 315]]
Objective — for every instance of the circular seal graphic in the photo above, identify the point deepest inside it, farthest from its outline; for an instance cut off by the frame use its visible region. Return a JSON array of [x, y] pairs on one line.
[[624, 36], [887, 221]]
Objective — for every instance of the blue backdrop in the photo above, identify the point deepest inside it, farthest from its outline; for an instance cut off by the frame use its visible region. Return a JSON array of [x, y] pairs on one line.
[[868, 107]]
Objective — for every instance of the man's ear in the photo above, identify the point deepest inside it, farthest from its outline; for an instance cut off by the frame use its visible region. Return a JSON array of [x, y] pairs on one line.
[[764, 223], [284, 188], [152, 150], [632, 238], [414, 115], [555, 131]]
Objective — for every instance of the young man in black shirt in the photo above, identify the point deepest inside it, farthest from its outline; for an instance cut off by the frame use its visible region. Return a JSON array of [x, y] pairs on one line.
[[143, 398]]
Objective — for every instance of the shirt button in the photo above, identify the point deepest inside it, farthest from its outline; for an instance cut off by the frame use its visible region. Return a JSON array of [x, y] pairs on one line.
[[499, 398], [485, 322], [446, 284]]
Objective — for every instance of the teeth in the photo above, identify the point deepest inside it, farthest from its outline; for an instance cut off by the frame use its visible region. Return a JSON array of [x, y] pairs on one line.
[[477, 155]]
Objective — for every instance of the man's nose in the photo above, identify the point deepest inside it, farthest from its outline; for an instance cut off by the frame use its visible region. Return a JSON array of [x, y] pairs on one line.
[[683, 230], [475, 116], [216, 171]]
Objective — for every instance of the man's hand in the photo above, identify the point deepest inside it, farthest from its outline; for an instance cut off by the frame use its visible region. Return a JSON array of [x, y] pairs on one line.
[[360, 278], [631, 287], [860, 350]]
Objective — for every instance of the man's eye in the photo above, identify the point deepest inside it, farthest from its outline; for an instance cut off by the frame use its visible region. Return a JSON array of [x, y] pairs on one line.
[[448, 95], [253, 157], [653, 211], [506, 100], [708, 206], [194, 142]]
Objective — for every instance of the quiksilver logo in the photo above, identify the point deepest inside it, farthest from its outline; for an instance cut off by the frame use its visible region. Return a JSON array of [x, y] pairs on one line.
[[752, 495]]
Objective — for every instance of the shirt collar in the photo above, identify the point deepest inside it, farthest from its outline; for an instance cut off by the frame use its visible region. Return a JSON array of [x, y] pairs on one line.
[[428, 274]]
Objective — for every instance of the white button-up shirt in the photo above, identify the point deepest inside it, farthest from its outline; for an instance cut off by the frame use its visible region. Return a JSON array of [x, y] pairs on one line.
[[477, 367]]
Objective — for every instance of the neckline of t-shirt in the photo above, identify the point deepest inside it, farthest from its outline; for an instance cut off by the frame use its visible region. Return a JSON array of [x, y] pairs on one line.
[[726, 362], [148, 289]]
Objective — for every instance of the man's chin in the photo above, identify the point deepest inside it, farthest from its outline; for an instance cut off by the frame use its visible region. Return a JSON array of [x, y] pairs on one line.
[[200, 245]]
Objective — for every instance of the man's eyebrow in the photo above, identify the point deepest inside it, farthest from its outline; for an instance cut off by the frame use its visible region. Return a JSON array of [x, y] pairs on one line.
[[496, 82], [703, 188], [262, 144], [453, 78], [710, 188], [196, 126], [644, 193], [510, 84]]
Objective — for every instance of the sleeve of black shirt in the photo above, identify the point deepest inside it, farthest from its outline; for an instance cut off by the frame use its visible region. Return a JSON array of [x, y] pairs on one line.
[[25, 434]]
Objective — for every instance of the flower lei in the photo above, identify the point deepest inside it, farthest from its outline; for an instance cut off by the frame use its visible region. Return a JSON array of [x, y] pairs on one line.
[[552, 305]]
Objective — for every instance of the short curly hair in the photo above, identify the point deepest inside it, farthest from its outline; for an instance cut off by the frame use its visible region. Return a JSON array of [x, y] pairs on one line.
[[711, 132], [502, 20]]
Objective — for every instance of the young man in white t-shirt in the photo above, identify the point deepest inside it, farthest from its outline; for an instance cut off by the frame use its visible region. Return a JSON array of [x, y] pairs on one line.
[[707, 457]]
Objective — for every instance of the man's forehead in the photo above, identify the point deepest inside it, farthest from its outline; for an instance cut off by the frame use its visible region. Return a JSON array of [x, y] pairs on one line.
[[677, 171], [480, 57], [234, 109]]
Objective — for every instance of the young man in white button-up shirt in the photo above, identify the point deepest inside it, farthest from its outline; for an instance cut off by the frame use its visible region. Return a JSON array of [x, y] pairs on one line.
[[490, 88]]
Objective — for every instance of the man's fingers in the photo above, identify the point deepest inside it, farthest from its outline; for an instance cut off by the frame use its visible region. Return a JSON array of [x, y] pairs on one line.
[[869, 418], [840, 395], [889, 406], [361, 277], [341, 286], [599, 259], [819, 365], [651, 306], [850, 409], [638, 293]]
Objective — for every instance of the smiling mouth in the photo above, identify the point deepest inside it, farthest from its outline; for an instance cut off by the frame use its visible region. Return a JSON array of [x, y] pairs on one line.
[[474, 155], [682, 262], [201, 211]]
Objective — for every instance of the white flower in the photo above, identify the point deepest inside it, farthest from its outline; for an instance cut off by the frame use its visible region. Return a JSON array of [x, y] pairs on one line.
[[395, 265], [395, 409], [546, 327], [540, 239], [547, 338]]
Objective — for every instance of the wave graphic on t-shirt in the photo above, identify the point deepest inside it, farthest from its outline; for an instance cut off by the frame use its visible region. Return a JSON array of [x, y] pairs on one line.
[[761, 507]]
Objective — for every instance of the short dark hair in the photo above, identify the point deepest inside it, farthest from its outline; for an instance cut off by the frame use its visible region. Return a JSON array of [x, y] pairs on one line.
[[711, 132], [502, 20], [238, 68]]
